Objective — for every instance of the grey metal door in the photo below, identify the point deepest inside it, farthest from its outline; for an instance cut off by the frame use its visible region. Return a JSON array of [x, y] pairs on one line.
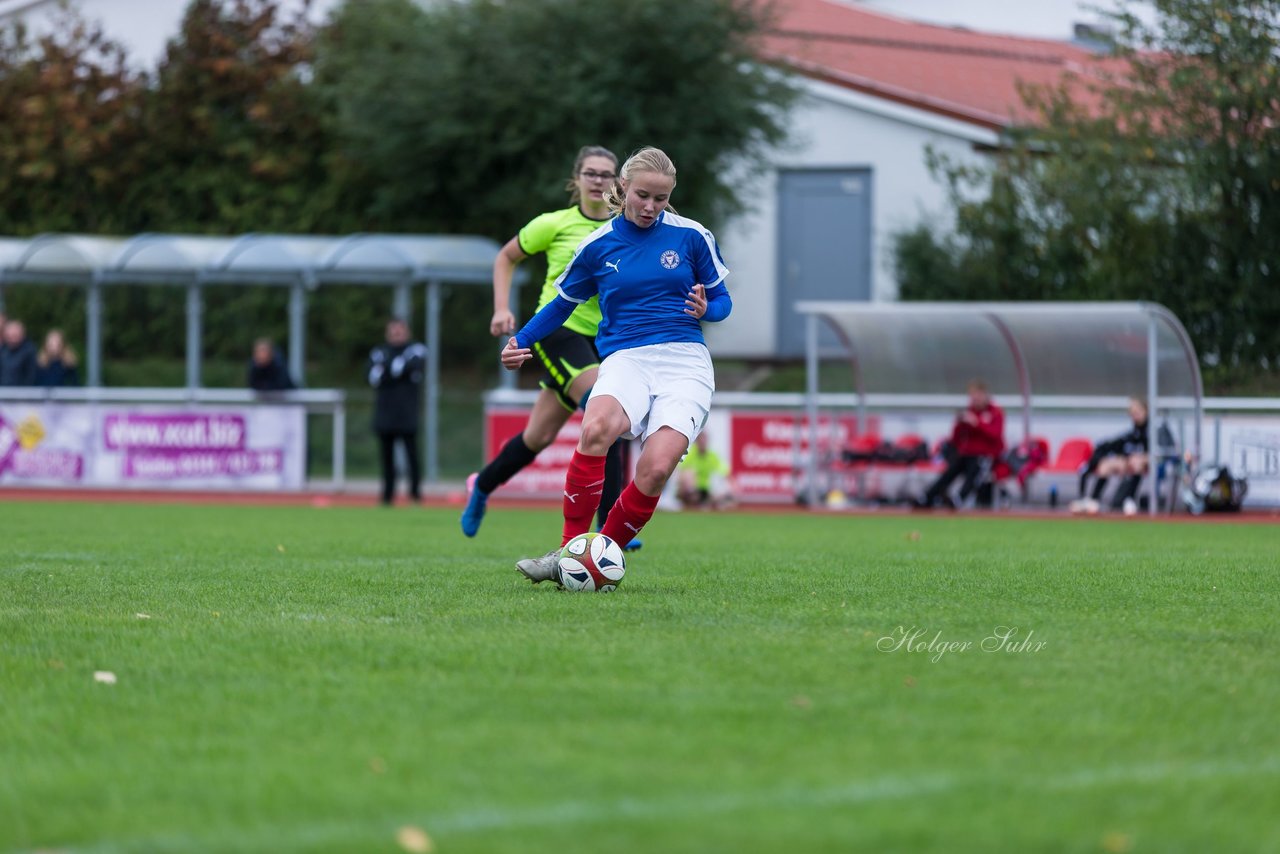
[[824, 246]]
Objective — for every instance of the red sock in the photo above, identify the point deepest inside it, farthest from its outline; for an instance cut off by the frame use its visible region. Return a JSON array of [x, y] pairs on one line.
[[632, 510], [583, 484]]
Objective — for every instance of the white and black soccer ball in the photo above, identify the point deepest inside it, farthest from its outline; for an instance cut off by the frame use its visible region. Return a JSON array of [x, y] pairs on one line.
[[591, 562]]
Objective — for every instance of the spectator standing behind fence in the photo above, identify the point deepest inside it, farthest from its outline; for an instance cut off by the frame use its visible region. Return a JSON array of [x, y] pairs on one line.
[[396, 369], [56, 362], [1125, 456], [17, 356], [267, 371], [703, 478], [977, 441]]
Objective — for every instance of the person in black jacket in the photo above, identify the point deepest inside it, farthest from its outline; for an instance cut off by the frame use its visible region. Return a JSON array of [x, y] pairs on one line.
[[396, 369], [17, 356], [267, 371], [1125, 456]]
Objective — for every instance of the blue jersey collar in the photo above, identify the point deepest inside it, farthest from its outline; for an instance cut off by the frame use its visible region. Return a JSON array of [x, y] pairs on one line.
[[628, 230]]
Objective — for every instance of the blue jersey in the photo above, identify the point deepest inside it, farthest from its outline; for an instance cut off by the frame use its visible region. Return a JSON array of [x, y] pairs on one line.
[[643, 277]]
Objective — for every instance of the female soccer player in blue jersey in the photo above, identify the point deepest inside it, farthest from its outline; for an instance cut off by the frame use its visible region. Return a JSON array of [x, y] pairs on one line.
[[567, 354], [657, 275]]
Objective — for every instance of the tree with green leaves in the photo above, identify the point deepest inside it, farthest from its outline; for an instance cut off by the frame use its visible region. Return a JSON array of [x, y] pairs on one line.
[[1163, 184], [394, 116], [465, 117]]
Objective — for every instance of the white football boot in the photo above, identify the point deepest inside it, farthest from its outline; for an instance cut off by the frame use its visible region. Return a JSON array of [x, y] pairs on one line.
[[545, 568]]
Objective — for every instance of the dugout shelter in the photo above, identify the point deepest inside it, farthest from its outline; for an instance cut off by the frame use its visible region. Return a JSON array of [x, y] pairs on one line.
[[1097, 353], [300, 263]]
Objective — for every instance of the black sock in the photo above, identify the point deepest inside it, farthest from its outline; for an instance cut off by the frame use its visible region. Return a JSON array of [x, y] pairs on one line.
[[1099, 486], [612, 488], [514, 456], [1128, 489]]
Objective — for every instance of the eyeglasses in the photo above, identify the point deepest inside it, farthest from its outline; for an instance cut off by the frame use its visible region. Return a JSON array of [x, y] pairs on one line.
[[598, 176]]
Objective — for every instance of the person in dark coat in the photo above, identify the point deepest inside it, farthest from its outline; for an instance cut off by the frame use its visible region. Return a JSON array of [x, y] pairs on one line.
[[396, 370], [17, 356], [56, 362], [1125, 456], [267, 371]]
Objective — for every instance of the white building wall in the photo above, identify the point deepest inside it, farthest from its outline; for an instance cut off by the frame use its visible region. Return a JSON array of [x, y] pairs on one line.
[[834, 127]]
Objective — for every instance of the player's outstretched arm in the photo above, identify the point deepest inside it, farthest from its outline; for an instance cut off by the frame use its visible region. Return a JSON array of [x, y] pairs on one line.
[[542, 324]]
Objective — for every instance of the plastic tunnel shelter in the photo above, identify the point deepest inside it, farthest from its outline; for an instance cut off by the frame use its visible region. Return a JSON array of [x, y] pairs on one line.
[[1021, 350], [300, 263]]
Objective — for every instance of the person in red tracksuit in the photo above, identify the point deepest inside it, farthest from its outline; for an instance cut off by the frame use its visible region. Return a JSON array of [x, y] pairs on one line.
[[977, 441]]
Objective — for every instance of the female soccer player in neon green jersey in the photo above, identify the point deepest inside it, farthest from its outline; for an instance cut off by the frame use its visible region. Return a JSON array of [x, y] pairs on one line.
[[568, 355]]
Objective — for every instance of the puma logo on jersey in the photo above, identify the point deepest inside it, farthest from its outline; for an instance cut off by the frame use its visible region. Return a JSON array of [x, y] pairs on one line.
[[614, 265], [573, 499]]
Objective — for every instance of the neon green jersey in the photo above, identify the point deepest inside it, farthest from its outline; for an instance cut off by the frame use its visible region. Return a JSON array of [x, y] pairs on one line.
[[558, 234], [703, 464]]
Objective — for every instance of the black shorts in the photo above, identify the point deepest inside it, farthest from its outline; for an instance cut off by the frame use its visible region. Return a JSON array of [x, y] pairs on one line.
[[564, 355]]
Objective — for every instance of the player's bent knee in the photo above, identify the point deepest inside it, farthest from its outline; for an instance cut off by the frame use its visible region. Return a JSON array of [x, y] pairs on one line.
[[598, 434], [650, 481], [652, 474]]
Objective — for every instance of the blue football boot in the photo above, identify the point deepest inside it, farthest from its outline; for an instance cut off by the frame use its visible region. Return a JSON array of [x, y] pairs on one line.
[[473, 515]]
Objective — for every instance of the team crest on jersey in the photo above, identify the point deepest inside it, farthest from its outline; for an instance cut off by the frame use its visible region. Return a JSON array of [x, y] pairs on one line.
[[670, 259]]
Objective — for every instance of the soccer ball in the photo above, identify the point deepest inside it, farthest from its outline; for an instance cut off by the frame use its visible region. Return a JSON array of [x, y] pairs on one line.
[[591, 562]]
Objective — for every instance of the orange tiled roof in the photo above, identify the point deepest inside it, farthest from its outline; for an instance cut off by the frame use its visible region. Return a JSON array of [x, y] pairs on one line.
[[964, 74]]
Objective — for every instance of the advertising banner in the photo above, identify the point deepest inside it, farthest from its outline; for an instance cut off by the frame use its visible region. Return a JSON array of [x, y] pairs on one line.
[[762, 449], [544, 477], [770, 451], [152, 447], [1250, 447]]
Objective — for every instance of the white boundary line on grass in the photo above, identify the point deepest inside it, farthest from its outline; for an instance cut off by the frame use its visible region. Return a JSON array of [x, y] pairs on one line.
[[588, 812]]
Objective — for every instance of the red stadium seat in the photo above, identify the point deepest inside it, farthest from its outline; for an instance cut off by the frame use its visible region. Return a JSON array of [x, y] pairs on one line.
[[1073, 454]]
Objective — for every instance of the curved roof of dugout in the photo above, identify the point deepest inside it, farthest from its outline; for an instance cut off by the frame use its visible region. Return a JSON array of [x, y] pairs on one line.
[[249, 258], [1019, 349]]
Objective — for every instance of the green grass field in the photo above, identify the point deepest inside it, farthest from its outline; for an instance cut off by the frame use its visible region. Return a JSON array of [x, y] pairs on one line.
[[318, 679]]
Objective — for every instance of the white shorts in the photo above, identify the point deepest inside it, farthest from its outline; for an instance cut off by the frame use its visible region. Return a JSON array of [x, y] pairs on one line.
[[660, 385]]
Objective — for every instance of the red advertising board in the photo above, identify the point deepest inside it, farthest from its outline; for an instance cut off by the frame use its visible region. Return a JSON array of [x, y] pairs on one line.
[[545, 475], [770, 450], [767, 451]]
